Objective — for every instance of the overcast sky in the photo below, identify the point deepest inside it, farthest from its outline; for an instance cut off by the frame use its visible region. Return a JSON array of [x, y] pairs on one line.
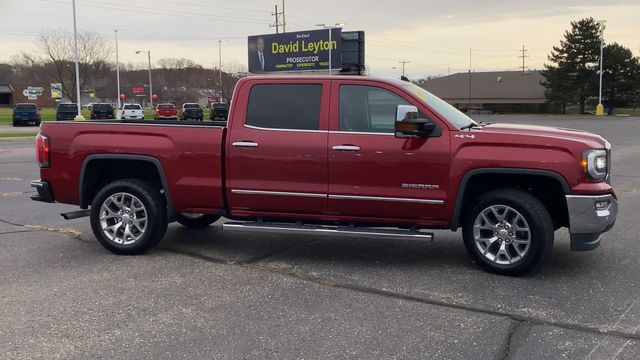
[[434, 36]]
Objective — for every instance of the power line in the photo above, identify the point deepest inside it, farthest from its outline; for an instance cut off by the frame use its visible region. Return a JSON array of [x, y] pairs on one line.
[[145, 10]]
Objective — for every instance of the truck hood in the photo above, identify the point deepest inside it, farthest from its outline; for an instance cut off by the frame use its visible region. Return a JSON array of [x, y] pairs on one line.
[[587, 138]]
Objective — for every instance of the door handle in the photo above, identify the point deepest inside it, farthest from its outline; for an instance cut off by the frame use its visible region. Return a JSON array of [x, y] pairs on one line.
[[245, 144], [346, 148]]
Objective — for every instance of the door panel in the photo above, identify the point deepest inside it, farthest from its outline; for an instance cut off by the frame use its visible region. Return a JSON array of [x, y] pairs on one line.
[[273, 168], [382, 176]]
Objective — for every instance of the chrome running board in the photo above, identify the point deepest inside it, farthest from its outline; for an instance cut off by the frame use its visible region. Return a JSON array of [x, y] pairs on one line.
[[274, 227]]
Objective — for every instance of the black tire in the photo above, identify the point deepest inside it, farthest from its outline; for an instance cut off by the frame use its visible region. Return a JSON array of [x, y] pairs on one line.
[[196, 221], [538, 221], [15, 123], [37, 123], [156, 216]]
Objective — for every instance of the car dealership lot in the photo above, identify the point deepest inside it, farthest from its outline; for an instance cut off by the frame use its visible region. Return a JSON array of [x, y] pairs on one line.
[[214, 294]]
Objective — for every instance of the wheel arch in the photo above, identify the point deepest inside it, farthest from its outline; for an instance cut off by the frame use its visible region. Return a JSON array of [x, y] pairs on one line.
[[476, 174], [87, 176]]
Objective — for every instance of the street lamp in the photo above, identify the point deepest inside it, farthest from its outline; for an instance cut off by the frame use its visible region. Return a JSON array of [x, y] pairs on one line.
[[150, 83], [600, 107], [75, 40], [330, 28], [220, 67], [117, 71]]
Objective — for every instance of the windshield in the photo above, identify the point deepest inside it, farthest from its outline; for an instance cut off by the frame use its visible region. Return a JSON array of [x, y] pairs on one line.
[[450, 113], [102, 107], [67, 107], [166, 107], [26, 107], [191, 106], [132, 107]]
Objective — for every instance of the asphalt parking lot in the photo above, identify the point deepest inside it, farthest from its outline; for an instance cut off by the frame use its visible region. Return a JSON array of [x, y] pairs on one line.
[[225, 295]]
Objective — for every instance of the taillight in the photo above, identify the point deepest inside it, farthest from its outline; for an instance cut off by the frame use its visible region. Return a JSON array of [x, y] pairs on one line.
[[42, 150]]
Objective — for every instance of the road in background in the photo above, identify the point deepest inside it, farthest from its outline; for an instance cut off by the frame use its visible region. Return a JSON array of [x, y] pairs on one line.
[[215, 294]]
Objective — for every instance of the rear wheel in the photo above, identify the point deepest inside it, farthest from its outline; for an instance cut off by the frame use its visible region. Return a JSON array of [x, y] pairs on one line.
[[508, 231], [196, 221], [128, 217]]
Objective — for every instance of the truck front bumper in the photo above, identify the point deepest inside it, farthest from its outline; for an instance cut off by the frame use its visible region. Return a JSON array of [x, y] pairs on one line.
[[44, 191], [590, 216]]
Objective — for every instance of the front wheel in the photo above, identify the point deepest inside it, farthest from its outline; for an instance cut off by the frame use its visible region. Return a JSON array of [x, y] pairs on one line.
[[508, 231], [196, 221], [128, 217]]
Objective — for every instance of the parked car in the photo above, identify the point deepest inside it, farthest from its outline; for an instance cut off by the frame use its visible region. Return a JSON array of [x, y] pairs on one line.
[[132, 112], [25, 113], [102, 111], [67, 111], [165, 111], [219, 111], [191, 111], [375, 158]]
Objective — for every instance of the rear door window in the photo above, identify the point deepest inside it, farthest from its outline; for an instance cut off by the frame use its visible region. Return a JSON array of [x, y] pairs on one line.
[[26, 107], [285, 106]]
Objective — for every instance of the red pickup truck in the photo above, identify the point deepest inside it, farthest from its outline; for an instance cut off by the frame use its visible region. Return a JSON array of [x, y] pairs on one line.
[[349, 156]]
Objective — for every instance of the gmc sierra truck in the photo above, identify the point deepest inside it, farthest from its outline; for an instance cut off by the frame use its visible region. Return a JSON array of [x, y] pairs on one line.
[[348, 156]]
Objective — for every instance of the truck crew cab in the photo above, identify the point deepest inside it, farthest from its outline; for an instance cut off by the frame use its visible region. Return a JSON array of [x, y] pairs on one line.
[[335, 155]]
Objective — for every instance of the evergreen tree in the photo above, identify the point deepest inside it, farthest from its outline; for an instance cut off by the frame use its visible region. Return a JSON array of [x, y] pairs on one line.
[[572, 75], [620, 75]]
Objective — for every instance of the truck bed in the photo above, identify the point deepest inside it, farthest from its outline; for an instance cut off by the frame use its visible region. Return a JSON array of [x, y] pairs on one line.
[[189, 155]]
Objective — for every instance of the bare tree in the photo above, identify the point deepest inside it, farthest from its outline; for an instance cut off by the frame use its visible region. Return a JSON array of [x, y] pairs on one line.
[[54, 59]]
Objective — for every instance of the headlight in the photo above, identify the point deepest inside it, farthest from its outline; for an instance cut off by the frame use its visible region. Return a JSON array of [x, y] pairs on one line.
[[595, 164]]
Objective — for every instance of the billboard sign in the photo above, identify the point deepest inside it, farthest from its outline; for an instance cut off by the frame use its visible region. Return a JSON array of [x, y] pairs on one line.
[[56, 91], [295, 51]]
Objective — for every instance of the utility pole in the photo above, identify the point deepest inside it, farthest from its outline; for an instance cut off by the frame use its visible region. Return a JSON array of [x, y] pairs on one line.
[[279, 19], [523, 56], [404, 62]]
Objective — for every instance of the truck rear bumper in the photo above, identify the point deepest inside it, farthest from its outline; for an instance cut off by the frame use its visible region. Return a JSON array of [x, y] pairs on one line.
[[589, 217], [44, 191]]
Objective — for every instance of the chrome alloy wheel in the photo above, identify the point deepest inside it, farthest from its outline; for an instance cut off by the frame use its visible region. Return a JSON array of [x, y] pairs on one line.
[[502, 234], [123, 218]]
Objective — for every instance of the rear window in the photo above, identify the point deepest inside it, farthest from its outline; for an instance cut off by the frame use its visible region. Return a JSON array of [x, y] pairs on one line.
[[285, 106], [191, 106], [132, 107], [166, 107], [67, 106], [102, 107], [26, 107]]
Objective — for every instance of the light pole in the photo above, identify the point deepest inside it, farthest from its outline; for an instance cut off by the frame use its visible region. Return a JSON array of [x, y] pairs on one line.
[[600, 107], [330, 28], [220, 68], [117, 71], [150, 83], [75, 40]]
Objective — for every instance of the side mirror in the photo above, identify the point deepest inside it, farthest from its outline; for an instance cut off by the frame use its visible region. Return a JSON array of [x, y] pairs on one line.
[[408, 124]]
